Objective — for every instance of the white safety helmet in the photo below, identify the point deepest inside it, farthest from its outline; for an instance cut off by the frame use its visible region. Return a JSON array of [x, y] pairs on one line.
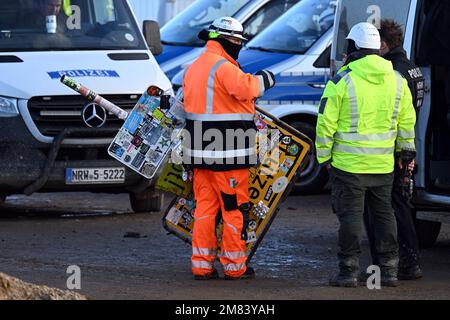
[[227, 26], [365, 35]]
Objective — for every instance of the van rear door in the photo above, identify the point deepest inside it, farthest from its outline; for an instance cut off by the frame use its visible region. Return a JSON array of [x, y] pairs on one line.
[[351, 12]]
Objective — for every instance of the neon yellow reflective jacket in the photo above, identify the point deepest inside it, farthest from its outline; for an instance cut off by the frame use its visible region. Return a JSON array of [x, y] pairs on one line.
[[365, 115]]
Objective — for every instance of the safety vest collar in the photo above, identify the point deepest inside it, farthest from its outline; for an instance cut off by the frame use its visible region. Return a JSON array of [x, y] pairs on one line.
[[215, 48]]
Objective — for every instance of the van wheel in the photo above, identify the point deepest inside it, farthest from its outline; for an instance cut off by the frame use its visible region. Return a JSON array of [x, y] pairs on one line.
[[313, 178], [150, 200], [427, 232]]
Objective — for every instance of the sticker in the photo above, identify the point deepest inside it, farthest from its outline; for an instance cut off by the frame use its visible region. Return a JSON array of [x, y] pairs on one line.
[[146, 128], [123, 137], [260, 124], [164, 143], [233, 183], [117, 150], [153, 104], [131, 148], [157, 114], [153, 156], [287, 164], [251, 237], [137, 141], [148, 169], [144, 148], [138, 161], [143, 98], [127, 158], [166, 122], [182, 201], [293, 149], [275, 138], [174, 215], [280, 184], [268, 194], [190, 205], [129, 37], [187, 217], [286, 140], [252, 225], [142, 109], [260, 210], [154, 136], [167, 133], [133, 121]]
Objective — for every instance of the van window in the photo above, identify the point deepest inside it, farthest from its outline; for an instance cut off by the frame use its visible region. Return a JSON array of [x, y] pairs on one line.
[[298, 29], [79, 25], [266, 15], [353, 12], [184, 28]]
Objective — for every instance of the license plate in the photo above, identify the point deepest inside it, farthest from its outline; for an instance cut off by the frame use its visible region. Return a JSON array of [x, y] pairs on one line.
[[95, 175]]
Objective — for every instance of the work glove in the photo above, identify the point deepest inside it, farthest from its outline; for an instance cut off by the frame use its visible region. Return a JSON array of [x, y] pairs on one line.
[[268, 77]]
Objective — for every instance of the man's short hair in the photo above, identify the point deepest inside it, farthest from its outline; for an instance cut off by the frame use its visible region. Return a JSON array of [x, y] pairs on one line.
[[391, 33]]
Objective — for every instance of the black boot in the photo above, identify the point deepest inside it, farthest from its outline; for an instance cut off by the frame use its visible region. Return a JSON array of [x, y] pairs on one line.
[[344, 280], [411, 273], [212, 275], [389, 279]]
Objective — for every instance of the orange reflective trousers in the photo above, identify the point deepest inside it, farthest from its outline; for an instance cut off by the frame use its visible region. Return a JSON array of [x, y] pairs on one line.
[[222, 191]]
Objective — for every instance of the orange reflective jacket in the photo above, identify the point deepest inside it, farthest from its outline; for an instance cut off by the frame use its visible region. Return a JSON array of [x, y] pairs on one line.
[[219, 100]]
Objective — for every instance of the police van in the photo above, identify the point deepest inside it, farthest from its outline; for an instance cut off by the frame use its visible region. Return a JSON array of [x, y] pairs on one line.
[[432, 179], [48, 142], [179, 35]]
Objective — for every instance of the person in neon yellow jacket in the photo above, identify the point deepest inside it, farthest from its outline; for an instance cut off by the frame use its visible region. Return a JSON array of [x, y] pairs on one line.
[[366, 114]]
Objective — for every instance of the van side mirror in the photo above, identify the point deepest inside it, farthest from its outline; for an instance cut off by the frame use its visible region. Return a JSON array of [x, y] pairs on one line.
[[323, 61], [152, 36]]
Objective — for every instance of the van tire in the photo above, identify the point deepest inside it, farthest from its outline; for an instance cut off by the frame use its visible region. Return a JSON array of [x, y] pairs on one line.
[[313, 178], [150, 200], [427, 232]]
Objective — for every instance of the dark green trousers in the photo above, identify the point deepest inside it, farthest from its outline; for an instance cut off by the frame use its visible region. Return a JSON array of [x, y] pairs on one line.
[[348, 194]]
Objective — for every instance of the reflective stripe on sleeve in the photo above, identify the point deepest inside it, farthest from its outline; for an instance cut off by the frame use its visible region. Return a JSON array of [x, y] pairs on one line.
[[353, 101], [398, 97], [324, 140], [406, 134], [262, 88], [210, 86], [323, 153]]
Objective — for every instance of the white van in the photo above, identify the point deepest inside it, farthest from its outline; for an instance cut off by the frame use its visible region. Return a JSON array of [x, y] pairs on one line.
[[47, 143], [432, 180]]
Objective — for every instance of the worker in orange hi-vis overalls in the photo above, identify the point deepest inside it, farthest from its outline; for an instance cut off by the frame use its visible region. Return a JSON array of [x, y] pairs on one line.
[[219, 104]]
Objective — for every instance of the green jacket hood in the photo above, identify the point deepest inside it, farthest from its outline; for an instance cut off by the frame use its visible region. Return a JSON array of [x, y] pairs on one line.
[[372, 68]]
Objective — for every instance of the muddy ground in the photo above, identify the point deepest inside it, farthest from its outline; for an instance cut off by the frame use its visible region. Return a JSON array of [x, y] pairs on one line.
[[42, 235]]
